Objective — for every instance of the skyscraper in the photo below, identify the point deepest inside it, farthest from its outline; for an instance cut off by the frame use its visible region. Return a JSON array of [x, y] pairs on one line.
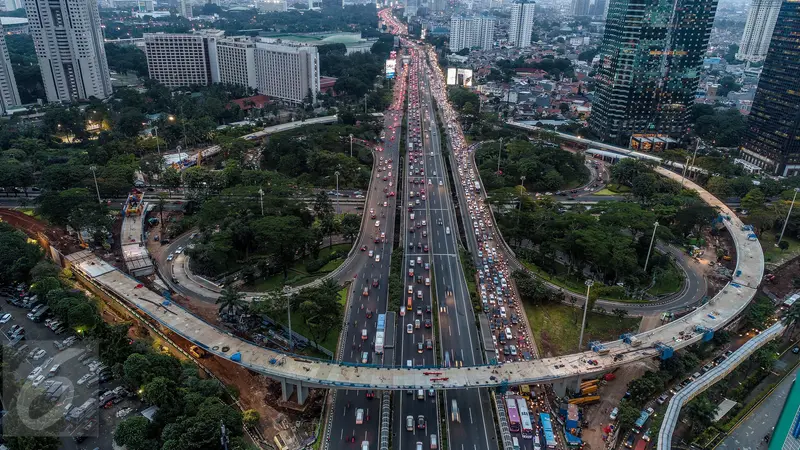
[[186, 9], [177, 60], [650, 61], [471, 31], [287, 71], [772, 136], [9, 96], [521, 24], [69, 44], [758, 30], [579, 8]]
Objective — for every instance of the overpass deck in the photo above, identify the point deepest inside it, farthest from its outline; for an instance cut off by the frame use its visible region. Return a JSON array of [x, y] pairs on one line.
[[726, 305]]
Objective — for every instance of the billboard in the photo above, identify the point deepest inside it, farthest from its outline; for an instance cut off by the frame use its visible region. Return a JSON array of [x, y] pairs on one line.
[[451, 76], [461, 77], [391, 64]]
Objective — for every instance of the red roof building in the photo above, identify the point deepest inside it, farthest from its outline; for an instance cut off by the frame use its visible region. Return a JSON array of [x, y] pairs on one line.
[[254, 102]]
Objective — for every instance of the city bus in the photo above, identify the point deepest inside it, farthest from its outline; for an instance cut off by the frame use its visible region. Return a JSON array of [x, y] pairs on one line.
[[513, 414], [549, 437], [525, 419]]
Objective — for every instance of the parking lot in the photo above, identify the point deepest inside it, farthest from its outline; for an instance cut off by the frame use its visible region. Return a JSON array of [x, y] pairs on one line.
[[67, 378]]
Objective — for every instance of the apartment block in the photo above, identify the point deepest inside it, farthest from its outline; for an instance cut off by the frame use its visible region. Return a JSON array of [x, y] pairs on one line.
[[471, 32], [9, 96], [177, 60], [286, 71], [237, 61]]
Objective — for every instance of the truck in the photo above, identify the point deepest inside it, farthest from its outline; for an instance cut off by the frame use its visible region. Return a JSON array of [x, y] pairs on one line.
[[380, 333], [410, 146], [477, 186], [588, 400]]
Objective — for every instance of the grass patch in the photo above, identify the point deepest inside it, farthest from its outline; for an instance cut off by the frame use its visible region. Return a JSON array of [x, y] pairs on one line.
[[607, 192], [298, 274], [616, 188], [775, 255], [668, 281], [558, 327]]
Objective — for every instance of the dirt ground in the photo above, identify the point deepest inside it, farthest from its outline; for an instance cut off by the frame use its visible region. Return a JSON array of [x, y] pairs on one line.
[[611, 393], [783, 284], [650, 322]]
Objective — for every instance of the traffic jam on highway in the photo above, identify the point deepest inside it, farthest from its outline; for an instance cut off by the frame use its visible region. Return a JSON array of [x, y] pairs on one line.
[[506, 316], [416, 312]]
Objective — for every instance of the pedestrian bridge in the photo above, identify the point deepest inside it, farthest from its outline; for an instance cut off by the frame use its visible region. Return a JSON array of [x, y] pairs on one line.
[[308, 372]]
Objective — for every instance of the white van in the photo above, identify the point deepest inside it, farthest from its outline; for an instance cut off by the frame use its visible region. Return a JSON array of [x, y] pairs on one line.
[[447, 230], [365, 445], [434, 442], [509, 336], [514, 443], [409, 423], [412, 216], [420, 394], [503, 312]]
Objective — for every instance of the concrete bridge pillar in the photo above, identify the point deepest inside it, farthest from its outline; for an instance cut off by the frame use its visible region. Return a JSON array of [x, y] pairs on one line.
[[288, 388], [560, 388]]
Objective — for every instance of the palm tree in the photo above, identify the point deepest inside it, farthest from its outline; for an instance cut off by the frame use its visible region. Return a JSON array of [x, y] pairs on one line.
[[700, 412], [230, 301], [792, 316]]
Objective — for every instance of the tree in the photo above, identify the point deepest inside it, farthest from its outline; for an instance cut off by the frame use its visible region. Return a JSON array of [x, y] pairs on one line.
[[628, 414], [230, 301], [160, 392], [321, 309], [132, 433], [250, 418], [350, 226], [171, 178], [620, 313], [783, 245], [162, 202], [700, 412], [791, 317], [32, 442], [754, 200]]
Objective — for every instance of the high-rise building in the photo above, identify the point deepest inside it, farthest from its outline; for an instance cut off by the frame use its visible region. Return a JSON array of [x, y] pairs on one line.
[[287, 71], [520, 26], [598, 8], [12, 5], [9, 96], [651, 57], [177, 60], [579, 8], [471, 31], [236, 58], [186, 9], [758, 30], [69, 45], [772, 136]]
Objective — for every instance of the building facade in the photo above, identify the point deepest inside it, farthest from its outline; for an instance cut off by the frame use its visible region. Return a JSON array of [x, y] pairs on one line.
[[177, 60], [758, 30], [579, 8], [69, 45], [287, 72], [9, 96], [651, 57], [471, 31], [772, 136], [186, 9], [520, 26], [236, 57]]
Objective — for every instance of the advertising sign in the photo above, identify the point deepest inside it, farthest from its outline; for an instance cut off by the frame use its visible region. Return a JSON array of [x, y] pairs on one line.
[[391, 64]]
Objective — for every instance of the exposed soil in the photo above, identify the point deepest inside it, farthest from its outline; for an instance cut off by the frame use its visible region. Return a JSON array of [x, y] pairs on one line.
[[597, 416], [783, 285]]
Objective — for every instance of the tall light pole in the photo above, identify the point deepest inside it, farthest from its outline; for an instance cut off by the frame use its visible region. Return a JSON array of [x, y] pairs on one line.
[[696, 146], [499, 155], [589, 284], [685, 168], [522, 182], [338, 210], [649, 249], [787, 218], [351, 145], [93, 168], [261, 195]]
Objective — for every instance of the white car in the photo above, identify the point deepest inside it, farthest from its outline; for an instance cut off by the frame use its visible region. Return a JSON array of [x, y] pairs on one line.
[[34, 373], [38, 380], [377, 258], [5, 318], [170, 257], [614, 413], [179, 250], [39, 355], [124, 412], [371, 253], [410, 329], [84, 378]]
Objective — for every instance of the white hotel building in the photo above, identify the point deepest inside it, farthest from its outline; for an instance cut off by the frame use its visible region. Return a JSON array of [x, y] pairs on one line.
[[285, 71]]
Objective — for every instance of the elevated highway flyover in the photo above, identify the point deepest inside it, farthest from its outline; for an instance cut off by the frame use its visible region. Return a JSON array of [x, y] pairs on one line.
[[300, 372]]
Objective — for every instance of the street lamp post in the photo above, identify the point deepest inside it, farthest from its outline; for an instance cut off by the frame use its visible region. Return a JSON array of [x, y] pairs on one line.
[[696, 146], [261, 196], [499, 155], [351, 145], [522, 182], [93, 168], [589, 284], [649, 249], [338, 210], [685, 168], [787, 218]]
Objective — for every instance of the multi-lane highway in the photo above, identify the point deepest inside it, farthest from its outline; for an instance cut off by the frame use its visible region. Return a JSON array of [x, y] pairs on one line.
[[460, 343], [415, 419], [355, 416]]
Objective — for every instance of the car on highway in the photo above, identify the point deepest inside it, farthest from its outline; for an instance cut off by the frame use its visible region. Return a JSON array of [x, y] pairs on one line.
[[410, 328], [420, 349], [421, 422], [377, 258]]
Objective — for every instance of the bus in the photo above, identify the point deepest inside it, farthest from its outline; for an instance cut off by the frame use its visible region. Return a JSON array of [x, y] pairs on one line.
[[477, 187], [525, 419], [513, 414], [547, 432], [641, 421], [641, 445], [379, 333]]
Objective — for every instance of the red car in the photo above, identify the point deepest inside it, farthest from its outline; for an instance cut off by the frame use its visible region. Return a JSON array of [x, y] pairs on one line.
[[375, 282], [363, 248], [425, 249]]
